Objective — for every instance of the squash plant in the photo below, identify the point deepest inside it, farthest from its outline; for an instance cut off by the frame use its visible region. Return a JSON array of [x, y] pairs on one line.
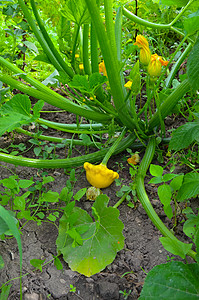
[[102, 100]]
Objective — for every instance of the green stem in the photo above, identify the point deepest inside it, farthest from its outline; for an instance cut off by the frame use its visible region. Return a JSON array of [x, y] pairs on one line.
[[58, 57], [73, 128], [40, 37], [169, 104], [68, 162], [112, 66], [170, 61], [182, 12], [121, 199], [143, 22], [56, 139], [85, 49], [113, 148], [108, 6], [94, 51], [176, 66], [76, 34], [142, 195]]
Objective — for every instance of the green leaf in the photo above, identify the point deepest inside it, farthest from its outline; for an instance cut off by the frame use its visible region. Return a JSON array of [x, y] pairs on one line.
[[101, 239], [31, 46], [189, 187], [5, 291], [156, 170], [196, 241], [75, 11], [25, 183], [3, 226], [37, 263], [10, 221], [193, 66], [80, 82], [168, 211], [37, 107], [164, 193], [175, 247], [168, 177], [58, 263], [9, 183], [86, 139], [50, 197], [19, 203], [184, 135], [15, 113], [52, 218], [96, 80], [47, 179], [177, 182], [178, 3], [174, 280], [155, 180], [80, 194], [191, 24]]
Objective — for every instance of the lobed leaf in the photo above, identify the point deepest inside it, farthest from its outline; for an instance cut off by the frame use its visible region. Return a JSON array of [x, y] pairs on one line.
[[100, 239]]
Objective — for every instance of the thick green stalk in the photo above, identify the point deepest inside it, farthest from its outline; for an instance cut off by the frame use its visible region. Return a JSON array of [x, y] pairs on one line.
[[72, 128], [169, 104], [110, 29], [94, 51], [86, 61], [58, 57], [118, 33], [57, 100], [40, 38], [112, 66], [142, 195], [56, 139], [143, 22], [68, 162]]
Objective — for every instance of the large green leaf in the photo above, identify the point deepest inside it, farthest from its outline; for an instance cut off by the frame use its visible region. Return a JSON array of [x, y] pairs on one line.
[[14, 113], [184, 135], [75, 11], [189, 187], [193, 66], [191, 24], [89, 246], [173, 280]]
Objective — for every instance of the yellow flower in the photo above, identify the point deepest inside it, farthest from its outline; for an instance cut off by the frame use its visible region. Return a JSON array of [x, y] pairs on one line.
[[155, 65], [81, 66], [134, 159], [102, 68], [145, 53], [99, 176], [128, 84]]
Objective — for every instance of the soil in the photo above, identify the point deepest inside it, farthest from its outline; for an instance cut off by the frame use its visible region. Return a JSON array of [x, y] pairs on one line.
[[142, 250]]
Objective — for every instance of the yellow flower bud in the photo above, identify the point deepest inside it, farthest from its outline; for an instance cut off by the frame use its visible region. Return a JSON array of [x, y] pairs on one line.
[[99, 176], [155, 65], [145, 56]]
